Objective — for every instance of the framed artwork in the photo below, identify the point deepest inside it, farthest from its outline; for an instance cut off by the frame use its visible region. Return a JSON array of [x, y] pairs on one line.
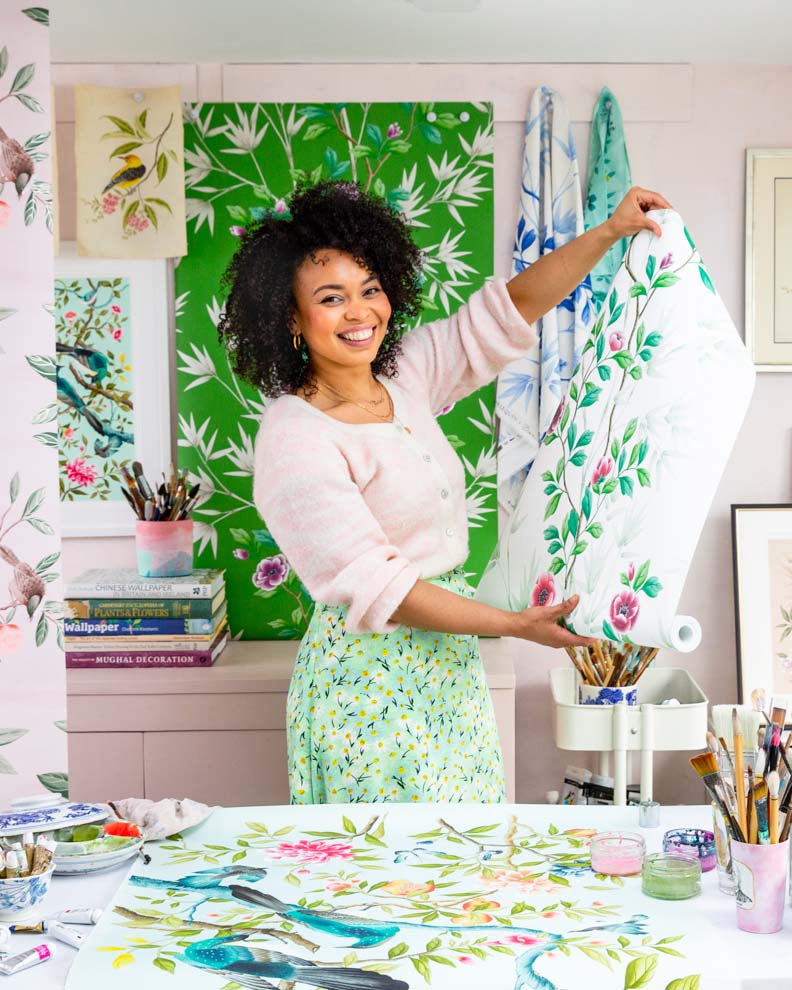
[[112, 377], [768, 258], [762, 547]]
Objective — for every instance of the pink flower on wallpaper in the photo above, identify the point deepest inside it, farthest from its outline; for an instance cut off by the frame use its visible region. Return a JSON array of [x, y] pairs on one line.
[[280, 206], [68, 432], [236, 230], [667, 262], [117, 333], [616, 341], [544, 591], [109, 203], [5, 213], [115, 309], [467, 960], [624, 611], [518, 940], [631, 571], [81, 473], [315, 851], [394, 131], [241, 554], [71, 316], [271, 572], [11, 637], [603, 468]]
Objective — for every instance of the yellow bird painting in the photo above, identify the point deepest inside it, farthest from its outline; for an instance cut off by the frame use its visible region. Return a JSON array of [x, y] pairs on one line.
[[128, 176]]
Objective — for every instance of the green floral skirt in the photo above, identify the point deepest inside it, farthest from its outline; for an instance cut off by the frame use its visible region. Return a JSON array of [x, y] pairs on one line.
[[402, 716]]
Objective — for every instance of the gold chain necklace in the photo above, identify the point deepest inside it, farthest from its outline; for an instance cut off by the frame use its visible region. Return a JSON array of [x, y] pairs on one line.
[[390, 416]]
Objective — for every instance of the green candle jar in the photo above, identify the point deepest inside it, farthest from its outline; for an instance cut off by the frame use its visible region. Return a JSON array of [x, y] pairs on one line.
[[671, 876]]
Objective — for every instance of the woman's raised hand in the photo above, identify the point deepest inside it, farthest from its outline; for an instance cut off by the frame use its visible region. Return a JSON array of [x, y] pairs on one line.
[[628, 217], [540, 624]]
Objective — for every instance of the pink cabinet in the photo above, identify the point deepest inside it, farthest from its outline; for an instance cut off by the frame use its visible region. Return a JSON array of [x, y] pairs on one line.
[[216, 735]]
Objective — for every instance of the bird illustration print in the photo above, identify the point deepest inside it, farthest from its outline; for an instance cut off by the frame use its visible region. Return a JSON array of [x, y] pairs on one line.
[[26, 587], [257, 967], [128, 176], [16, 165]]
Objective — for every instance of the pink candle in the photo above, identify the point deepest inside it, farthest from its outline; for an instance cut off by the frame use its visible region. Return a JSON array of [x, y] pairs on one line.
[[617, 854]]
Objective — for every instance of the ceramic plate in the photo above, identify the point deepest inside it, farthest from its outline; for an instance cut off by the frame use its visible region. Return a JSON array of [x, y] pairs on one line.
[[94, 862], [48, 819]]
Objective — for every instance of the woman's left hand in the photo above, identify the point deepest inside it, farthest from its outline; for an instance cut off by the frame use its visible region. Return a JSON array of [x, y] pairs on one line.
[[628, 217]]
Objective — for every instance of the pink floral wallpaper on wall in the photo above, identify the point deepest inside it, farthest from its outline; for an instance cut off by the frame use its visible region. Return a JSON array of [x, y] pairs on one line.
[[32, 675]]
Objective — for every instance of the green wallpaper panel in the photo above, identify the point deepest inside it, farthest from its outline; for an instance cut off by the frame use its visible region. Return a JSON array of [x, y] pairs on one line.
[[434, 161]]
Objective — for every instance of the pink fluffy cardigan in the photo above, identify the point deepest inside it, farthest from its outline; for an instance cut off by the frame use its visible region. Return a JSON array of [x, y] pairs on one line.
[[363, 511]]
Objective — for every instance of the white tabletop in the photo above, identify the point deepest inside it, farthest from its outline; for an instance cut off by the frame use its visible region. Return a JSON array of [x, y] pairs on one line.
[[751, 962]]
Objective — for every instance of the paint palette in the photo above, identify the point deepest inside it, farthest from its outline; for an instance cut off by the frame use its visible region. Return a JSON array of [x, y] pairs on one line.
[[57, 815]]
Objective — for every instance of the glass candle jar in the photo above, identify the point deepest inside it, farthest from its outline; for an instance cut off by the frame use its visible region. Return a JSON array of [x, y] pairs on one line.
[[617, 854], [692, 842], [671, 876]]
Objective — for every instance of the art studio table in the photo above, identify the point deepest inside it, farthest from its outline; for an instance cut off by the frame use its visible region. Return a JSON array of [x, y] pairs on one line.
[[467, 896]]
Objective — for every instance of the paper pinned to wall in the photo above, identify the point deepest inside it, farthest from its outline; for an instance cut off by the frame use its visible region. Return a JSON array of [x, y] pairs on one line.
[[620, 491], [129, 147]]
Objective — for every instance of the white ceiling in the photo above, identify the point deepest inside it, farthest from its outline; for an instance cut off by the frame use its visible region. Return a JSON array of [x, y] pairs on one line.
[[422, 31]]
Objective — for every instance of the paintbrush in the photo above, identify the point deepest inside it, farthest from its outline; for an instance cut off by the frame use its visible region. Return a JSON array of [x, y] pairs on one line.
[[739, 771], [143, 486], [760, 793], [785, 830], [131, 501], [774, 750], [773, 785], [651, 654], [759, 766], [706, 766], [578, 667], [753, 825], [725, 749]]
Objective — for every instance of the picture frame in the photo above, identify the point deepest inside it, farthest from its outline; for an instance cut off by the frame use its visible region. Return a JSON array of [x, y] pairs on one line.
[[762, 558], [149, 289], [768, 258]]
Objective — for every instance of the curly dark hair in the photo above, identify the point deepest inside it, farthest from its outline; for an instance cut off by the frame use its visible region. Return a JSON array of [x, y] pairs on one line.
[[255, 326]]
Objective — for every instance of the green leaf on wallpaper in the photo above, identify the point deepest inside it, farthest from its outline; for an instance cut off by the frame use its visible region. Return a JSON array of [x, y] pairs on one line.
[[651, 261], [3, 60], [23, 77], [42, 628], [13, 487], [665, 281], [687, 982], [34, 501], [56, 783], [121, 124], [608, 632], [11, 735], [706, 279], [652, 587], [124, 149], [43, 364], [6, 766], [30, 103], [41, 525], [640, 972], [432, 134], [38, 14]]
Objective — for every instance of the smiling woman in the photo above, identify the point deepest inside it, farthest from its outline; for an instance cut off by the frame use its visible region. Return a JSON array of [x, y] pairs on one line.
[[365, 495]]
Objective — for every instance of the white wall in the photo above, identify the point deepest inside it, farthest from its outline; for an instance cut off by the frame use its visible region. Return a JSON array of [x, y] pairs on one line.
[[687, 130]]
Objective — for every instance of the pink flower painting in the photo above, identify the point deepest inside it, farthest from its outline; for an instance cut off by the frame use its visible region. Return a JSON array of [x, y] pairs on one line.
[[312, 851], [544, 592], [624, 611], [81, 473]]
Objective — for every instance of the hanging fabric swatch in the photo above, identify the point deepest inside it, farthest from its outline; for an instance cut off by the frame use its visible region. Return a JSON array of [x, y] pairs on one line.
[[609, 180], [551, 214], [619, 493], [129, 151]]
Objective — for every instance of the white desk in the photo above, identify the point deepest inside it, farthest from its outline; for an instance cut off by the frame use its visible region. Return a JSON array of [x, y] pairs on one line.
[[738, 961]]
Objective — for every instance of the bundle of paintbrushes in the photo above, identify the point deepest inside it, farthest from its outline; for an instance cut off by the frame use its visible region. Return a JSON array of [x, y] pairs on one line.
[[606, 666], [173, 499], [753, 799]]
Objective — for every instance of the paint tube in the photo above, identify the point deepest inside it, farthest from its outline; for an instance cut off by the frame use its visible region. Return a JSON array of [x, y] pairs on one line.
[[30, 847], [65, 934], [22, 861], [32, 928], [42, 858], [11, 865], [78, 916], [575, 780], [38, 954]]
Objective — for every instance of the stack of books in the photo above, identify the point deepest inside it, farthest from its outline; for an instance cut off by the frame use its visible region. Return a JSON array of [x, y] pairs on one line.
[[115, 618]]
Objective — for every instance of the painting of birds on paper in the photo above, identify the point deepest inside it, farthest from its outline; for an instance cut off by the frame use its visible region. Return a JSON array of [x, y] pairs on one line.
[[94, 382], [130, 173], [362, 898]]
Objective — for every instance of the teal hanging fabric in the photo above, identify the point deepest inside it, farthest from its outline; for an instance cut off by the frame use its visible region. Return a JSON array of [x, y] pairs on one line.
[[609, 179]]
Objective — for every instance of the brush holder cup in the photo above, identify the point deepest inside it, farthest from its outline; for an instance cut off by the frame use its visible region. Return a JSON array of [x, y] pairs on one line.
[[164, 549], [760, 875], [595, 694]]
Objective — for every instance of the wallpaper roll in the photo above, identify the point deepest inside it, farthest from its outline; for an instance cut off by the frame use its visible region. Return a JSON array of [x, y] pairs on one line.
[[620, 491]]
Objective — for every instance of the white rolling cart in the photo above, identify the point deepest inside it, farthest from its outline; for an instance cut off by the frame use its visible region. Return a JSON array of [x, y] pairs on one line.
[[618, 729]]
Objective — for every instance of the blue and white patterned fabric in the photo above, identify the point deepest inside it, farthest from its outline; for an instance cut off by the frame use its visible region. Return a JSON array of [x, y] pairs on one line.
[[551, 214]]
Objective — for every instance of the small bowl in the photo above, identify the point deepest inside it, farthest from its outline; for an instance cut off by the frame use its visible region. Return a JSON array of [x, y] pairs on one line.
[[20, 896], [95, 862]]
